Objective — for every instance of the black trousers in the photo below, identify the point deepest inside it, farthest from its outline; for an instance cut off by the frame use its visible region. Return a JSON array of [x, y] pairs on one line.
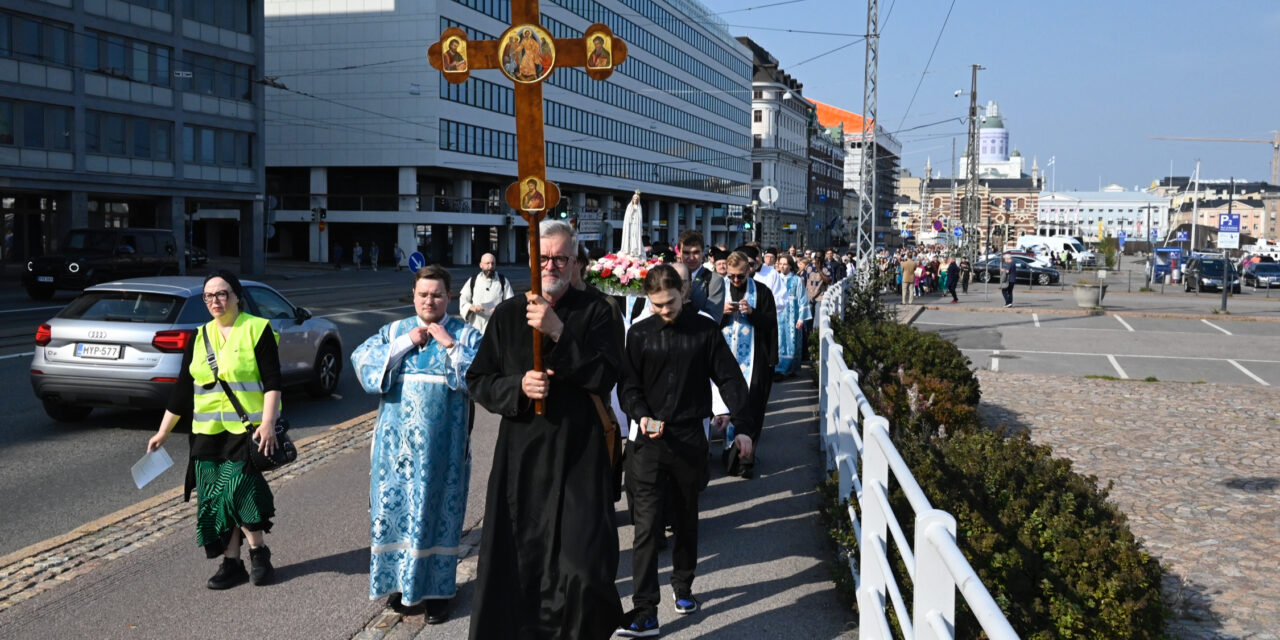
[[1007, 292], [951, 289], [664, 475]]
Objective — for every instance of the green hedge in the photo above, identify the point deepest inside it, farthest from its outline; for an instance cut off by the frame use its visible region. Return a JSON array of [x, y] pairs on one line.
[[1055, 553]]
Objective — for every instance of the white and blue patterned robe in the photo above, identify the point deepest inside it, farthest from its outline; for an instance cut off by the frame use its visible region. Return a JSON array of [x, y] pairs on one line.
[[790, 341], [421, 462]]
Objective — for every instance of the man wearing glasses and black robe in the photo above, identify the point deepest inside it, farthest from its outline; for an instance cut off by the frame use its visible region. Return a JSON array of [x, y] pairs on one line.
[[549, 552], [750, 326]]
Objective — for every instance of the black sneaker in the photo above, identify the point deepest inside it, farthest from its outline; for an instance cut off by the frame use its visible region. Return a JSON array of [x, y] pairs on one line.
[[260, 567], [230, 574], [686, 604], [639, 625]]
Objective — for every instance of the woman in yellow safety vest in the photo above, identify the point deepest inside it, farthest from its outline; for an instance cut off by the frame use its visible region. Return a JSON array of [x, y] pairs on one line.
[[232, 497]]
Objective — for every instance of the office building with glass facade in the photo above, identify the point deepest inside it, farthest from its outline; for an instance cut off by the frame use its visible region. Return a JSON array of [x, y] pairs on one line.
[[368, 143], [140, 113]]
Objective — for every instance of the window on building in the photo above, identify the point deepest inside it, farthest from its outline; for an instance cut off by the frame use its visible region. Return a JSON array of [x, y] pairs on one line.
[[207, 149], [33, 125], [6, 122], [755, 171], [757, 140], [113, 135], [757, 116]]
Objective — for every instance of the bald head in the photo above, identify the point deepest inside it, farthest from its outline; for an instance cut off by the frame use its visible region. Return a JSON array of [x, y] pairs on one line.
[[686, 284], [488, 263]]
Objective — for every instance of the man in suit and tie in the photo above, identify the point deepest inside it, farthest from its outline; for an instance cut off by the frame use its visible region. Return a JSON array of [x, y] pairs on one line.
[[707, 293]]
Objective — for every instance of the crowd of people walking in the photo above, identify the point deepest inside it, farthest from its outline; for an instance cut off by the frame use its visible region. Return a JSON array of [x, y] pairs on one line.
[[613, 394]]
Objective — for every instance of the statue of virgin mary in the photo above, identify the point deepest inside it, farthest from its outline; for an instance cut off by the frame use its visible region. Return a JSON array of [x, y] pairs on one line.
[[632, 245]]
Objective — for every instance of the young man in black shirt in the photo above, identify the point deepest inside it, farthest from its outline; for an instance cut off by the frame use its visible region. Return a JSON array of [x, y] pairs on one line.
[[670, 360]]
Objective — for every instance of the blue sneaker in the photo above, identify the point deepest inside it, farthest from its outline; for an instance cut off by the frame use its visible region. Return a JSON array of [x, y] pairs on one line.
[[639, 625], [686, 604]]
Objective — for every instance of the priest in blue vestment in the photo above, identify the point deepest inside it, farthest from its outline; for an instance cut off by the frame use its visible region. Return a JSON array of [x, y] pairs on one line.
[[421, 463]]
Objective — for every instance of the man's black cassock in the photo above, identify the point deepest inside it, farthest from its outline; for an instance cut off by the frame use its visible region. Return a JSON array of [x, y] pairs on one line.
[[549, 551], [764, 322]]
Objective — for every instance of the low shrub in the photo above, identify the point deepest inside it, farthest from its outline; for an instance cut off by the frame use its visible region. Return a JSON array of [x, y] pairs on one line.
[[1056, 554]]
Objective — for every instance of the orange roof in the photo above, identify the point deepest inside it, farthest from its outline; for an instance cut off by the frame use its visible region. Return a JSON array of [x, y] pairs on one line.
[[829, 116]]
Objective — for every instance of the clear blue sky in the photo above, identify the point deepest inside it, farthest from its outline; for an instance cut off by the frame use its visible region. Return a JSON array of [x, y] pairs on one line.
[[1085, 82]]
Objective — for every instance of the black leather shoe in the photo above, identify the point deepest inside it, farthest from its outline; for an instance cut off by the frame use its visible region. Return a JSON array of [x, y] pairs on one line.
[[437, 611], [261, 570], [230, 574]]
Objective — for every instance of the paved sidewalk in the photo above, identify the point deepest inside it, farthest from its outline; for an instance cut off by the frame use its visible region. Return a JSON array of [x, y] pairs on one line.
[[1195, 467]]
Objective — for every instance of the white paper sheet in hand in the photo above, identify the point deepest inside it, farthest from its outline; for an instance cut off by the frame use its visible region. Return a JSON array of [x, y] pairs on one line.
[[151, 465]]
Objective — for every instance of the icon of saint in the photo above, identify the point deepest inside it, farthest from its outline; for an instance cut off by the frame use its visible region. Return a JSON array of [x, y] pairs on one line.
[[532, 199], [455, 59], [599, 56]]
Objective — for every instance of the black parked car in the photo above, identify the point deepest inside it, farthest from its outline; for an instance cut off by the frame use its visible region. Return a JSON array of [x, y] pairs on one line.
[[1262, 275], [989, 271], [90, 256], [1205, 274]]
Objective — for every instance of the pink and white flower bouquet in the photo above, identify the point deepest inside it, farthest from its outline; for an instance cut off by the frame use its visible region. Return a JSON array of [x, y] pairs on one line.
[[620, 274]]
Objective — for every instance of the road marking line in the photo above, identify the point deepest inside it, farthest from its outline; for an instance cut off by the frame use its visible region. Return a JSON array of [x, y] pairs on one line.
[[1115, 364], [1249, 373], [1215, 326], [29, 309], [1126, 324], [1036, 318], [995, 360], [1122, 355], [17, 355], [349, 313]]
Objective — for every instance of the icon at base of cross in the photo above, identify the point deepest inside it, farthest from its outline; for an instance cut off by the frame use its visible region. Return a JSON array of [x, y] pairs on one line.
[[527, 54]]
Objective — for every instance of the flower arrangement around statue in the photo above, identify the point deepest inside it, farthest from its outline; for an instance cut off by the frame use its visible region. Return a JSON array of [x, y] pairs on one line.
[[620, 275]]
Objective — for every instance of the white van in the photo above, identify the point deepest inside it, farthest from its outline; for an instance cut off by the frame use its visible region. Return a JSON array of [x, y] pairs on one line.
[[1060, 245]]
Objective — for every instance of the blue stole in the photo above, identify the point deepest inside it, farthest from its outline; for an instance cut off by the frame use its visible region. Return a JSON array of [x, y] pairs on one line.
[[740, 335]]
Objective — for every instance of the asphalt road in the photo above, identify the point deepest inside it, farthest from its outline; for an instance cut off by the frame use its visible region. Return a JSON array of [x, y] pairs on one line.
[[56, 476], [1134, 347]]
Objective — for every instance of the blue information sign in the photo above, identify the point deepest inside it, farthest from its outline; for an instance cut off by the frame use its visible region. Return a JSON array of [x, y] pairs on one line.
[[417, 261], [1155, 233], [1120, 237], [1228, 223], [959, 231], [1182, 236]]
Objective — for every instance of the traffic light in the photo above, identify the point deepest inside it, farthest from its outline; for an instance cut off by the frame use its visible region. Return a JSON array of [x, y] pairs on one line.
[[748, 216], [564, 213], [319, 213]]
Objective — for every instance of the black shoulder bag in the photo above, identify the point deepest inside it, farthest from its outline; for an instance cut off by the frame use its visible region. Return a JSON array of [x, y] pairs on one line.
[[285, 451]]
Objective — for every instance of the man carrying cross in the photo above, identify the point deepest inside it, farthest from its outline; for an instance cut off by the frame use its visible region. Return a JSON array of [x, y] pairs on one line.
[[549, 552]]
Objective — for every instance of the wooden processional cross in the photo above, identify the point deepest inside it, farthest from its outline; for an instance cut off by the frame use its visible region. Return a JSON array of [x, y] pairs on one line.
[[527, 54]]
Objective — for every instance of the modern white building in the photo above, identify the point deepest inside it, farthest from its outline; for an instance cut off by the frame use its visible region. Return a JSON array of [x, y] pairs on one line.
[[139, 113], [368, 143], [1078, 213]]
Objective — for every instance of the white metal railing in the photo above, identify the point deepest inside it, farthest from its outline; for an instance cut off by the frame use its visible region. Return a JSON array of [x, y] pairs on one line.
[[856, 444]]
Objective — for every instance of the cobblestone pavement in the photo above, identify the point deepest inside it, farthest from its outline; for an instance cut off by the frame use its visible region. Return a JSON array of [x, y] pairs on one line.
[[1196, 468], [38, 568]]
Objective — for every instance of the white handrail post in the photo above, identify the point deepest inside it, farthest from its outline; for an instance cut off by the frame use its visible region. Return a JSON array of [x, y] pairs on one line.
[[934, 587], [824, 376], [875, 522]]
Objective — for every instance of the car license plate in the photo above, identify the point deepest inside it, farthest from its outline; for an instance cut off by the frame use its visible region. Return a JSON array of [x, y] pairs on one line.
[[98, 351], [44, 278]]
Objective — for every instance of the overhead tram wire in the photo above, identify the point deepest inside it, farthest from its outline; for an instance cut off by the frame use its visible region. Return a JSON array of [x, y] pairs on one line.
[[762, 6], [937, 40], [330, 124], [346, 68], [827, 53]]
